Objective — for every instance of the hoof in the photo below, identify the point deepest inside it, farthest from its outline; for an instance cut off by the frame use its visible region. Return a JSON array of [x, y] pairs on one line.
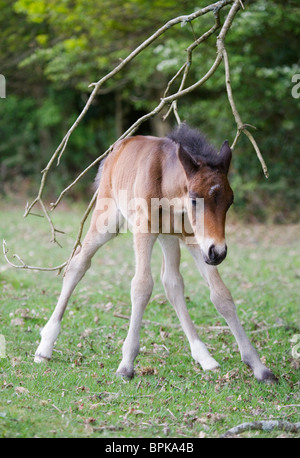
[[212, 366], [267, 377], [40, 359], [125, 373], [209, 364]]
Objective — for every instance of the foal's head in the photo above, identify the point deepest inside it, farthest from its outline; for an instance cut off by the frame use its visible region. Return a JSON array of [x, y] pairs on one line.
[[206, 178]]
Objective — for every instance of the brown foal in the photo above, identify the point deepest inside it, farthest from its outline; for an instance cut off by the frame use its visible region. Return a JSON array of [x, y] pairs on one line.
[[172, 189]]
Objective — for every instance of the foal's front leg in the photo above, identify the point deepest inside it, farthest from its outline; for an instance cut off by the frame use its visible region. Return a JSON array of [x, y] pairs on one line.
[[80, 263], [141, 290], [76, 270], [222, 299], [174, 287]]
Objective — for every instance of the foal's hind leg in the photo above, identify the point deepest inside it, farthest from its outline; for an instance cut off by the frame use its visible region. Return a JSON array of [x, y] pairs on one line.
[[80, 263], [221, 298], [174, 287], [141, 290]]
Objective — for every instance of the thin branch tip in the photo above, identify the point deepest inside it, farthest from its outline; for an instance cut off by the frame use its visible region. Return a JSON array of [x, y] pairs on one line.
[[23, 265], [241, 127]]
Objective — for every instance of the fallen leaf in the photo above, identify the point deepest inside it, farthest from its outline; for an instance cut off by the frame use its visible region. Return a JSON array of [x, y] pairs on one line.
[[82, 388], [15, 361], [166, 430], [89, 420], [147, 370], [86, 333], [21, 390], [17, 322], [95, 406], [7, 385], [44, 402], [134, 412]]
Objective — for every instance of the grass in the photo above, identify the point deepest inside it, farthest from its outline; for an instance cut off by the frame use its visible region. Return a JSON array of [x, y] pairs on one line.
[[78, 395]]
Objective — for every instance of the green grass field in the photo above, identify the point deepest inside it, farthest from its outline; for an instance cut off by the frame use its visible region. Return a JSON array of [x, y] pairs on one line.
[[78, 395]]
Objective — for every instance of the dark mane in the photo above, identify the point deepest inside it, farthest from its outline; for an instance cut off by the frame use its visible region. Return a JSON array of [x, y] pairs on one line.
[[195, 143]]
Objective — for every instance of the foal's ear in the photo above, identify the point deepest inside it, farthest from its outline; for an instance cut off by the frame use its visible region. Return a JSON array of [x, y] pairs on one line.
[[225, 156], [189, 164]]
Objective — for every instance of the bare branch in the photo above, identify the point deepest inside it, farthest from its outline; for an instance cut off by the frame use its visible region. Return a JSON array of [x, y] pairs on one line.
[[165, 100], [23, 265], [241, 127], [199, 83], [81, 226], [96, 161], [186, 67], [170, 100], [257, 150], [62, 146], [181, 19]]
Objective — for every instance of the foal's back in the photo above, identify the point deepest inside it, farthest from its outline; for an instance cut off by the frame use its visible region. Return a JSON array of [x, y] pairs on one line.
[[145, 167]]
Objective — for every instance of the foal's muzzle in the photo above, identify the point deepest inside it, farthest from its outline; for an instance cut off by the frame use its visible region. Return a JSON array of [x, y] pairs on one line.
[[215, 256]]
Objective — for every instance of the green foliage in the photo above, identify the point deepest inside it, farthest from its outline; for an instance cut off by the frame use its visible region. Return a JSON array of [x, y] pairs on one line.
[[52, 50]]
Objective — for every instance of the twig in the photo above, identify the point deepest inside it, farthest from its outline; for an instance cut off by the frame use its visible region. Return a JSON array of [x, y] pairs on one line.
[[241, 127], [108, 427], [56, 408], [79, 234], [172, 415], [96, 161], [264, 425], [186, 67], [25, 266]]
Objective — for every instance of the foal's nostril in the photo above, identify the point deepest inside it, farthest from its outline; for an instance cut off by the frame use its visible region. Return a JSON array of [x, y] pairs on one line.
[[215, 256], [212, 252]]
